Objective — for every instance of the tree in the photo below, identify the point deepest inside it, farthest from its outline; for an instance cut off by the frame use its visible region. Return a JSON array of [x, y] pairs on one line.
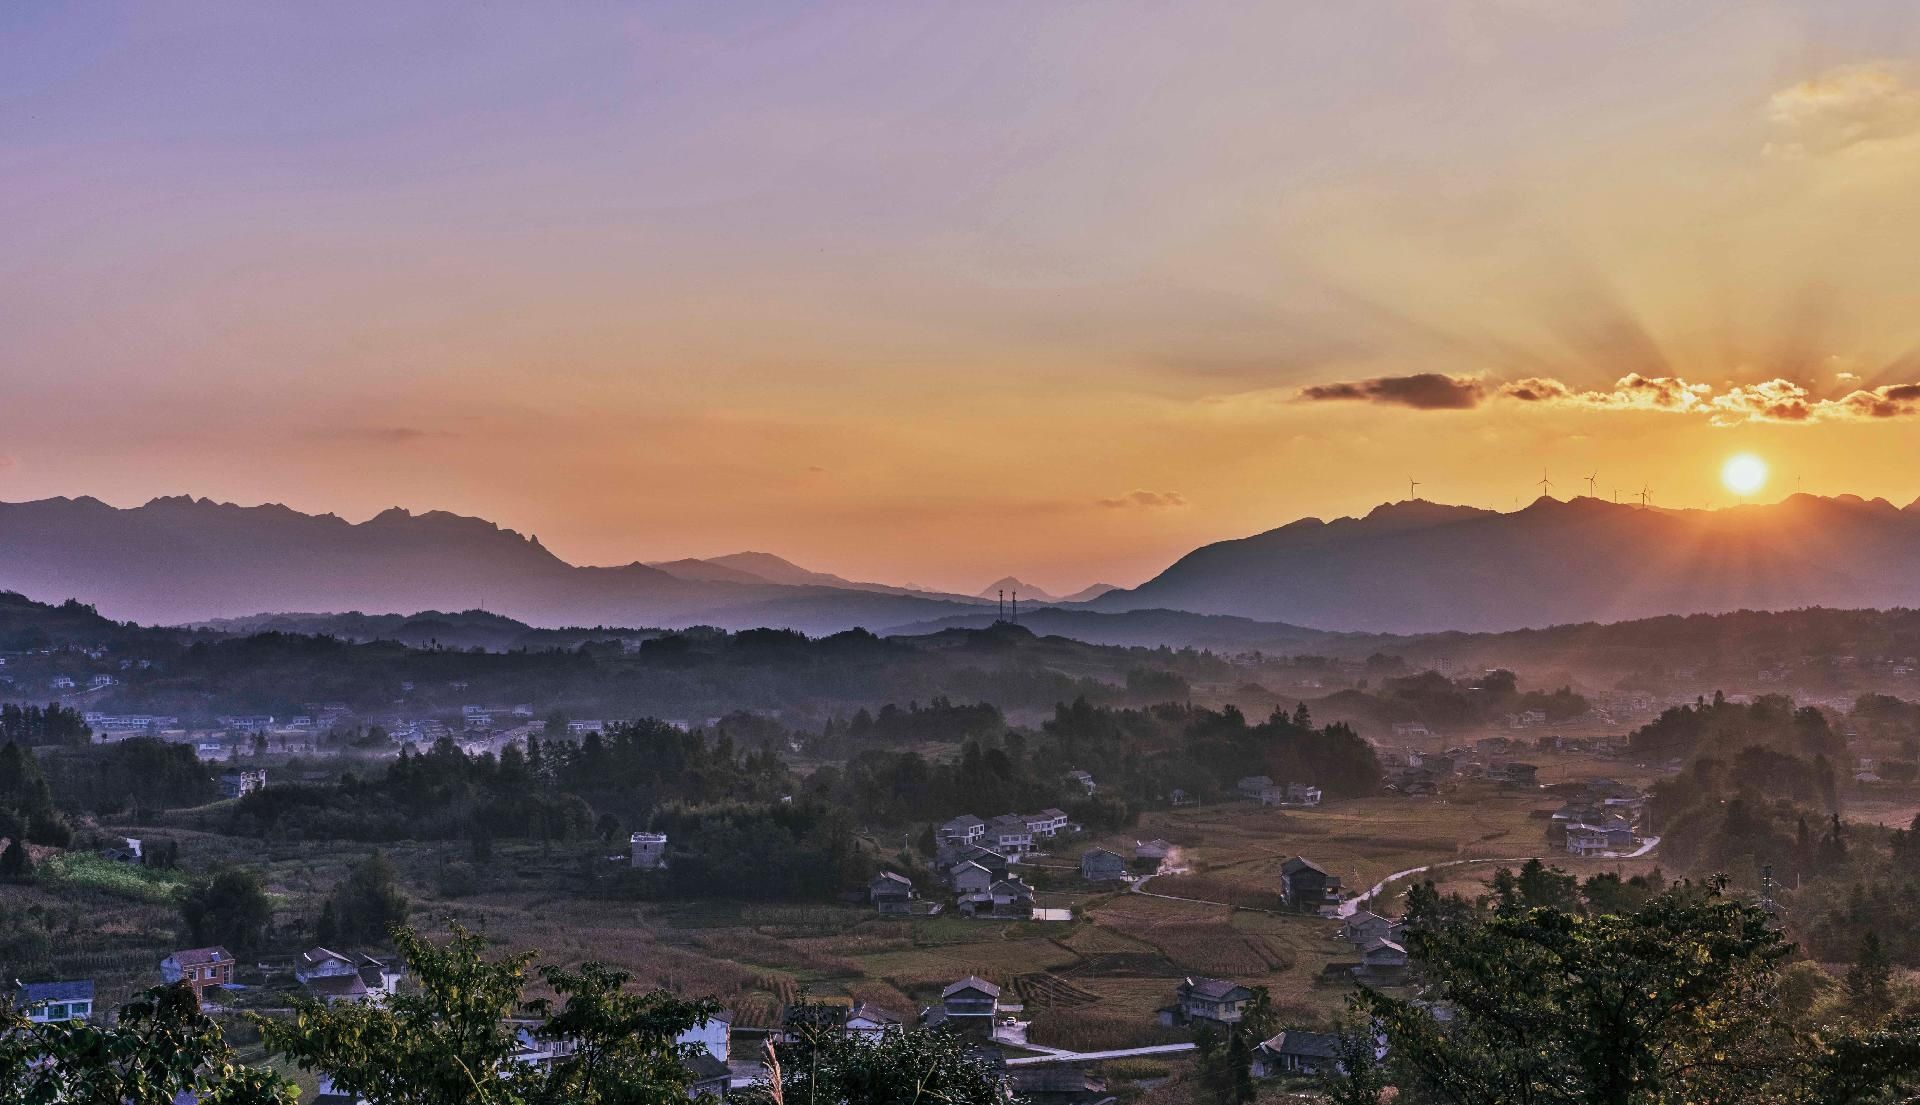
[[1674, 1002], [366, 906], [230, 907], [1357, 1078], [15, 864], [1870, 979], [1547, 887], [450, 1043], [159, 1047], [928, 1067]]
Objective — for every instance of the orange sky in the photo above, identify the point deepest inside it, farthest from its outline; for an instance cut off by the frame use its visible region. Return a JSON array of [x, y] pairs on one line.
[[942, 293]]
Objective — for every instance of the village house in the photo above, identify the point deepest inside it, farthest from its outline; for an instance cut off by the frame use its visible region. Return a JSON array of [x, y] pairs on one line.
[[1047, 823], [1155, 850], [1216, 1001], [1366, 926], [715, 1034], [1179, 797], [1083, 780], [868, 1021], [987, 858], [1102, 865], [240, 783], [970, 878], [1296, 1052], [648, 851], [1306, 886], [1058, 1085], [1612, 834], [332, 977], [55, 1002], [1008, 835], [1515, 774], [963, 830], [202, 969], [1300, 794], [707, 1077], [1012, 898], [1382, 959], [970, 1006], [890, 892], [1261, 789]]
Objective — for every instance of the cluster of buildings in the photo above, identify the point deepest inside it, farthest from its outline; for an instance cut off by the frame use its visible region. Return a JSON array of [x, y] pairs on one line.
[[1604, 819], [1381, 944], [1265, 791], [1424, 773], [1011, 835]]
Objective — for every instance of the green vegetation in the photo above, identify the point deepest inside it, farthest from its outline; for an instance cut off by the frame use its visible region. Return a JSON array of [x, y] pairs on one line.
[[126, 880], [1675, 1001]]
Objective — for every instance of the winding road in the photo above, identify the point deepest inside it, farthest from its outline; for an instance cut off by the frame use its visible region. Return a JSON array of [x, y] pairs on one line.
[[1352, 905]]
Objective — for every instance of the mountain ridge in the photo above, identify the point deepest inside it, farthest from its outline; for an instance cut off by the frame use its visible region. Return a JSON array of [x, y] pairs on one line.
[[1418, 567]]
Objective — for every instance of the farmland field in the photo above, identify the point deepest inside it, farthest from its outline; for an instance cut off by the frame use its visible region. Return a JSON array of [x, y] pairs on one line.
[[1093, 982]]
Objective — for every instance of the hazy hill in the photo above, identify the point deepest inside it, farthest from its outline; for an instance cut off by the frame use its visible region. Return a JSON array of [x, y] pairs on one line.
[[1418, 567], [774, 569], [1014, 587], [181, 559]]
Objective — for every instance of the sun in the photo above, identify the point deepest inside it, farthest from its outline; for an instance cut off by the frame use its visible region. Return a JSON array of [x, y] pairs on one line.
[[1744, 474]]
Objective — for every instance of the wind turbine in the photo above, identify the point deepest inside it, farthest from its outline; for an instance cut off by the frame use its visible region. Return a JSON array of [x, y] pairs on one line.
[[1545, 483], [1646, 496], [1411, 484], [1591, 480]]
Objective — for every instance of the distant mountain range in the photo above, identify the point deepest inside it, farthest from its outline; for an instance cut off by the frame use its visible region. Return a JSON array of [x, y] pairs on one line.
[[1012, 587], [177, 560], [1416, 566], [1407, 568]]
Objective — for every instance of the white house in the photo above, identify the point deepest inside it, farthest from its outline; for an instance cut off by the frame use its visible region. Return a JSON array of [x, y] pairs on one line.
[[53, 1002], [715, 1034], [649, 850], [1009, 836], [964, 829], [1046, 823]]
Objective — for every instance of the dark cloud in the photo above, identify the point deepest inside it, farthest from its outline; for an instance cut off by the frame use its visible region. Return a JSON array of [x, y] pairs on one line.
[[1145, 499], [1427, 391]]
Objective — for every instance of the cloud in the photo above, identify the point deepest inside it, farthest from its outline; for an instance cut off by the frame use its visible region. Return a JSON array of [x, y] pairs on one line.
[[1777, 400], [1843, 108], [1427, 391], [1891, 401], [1146, 500], [1632, 392]]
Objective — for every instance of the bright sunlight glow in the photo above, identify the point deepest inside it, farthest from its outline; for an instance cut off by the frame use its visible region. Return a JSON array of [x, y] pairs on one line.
[[1744, 474]]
